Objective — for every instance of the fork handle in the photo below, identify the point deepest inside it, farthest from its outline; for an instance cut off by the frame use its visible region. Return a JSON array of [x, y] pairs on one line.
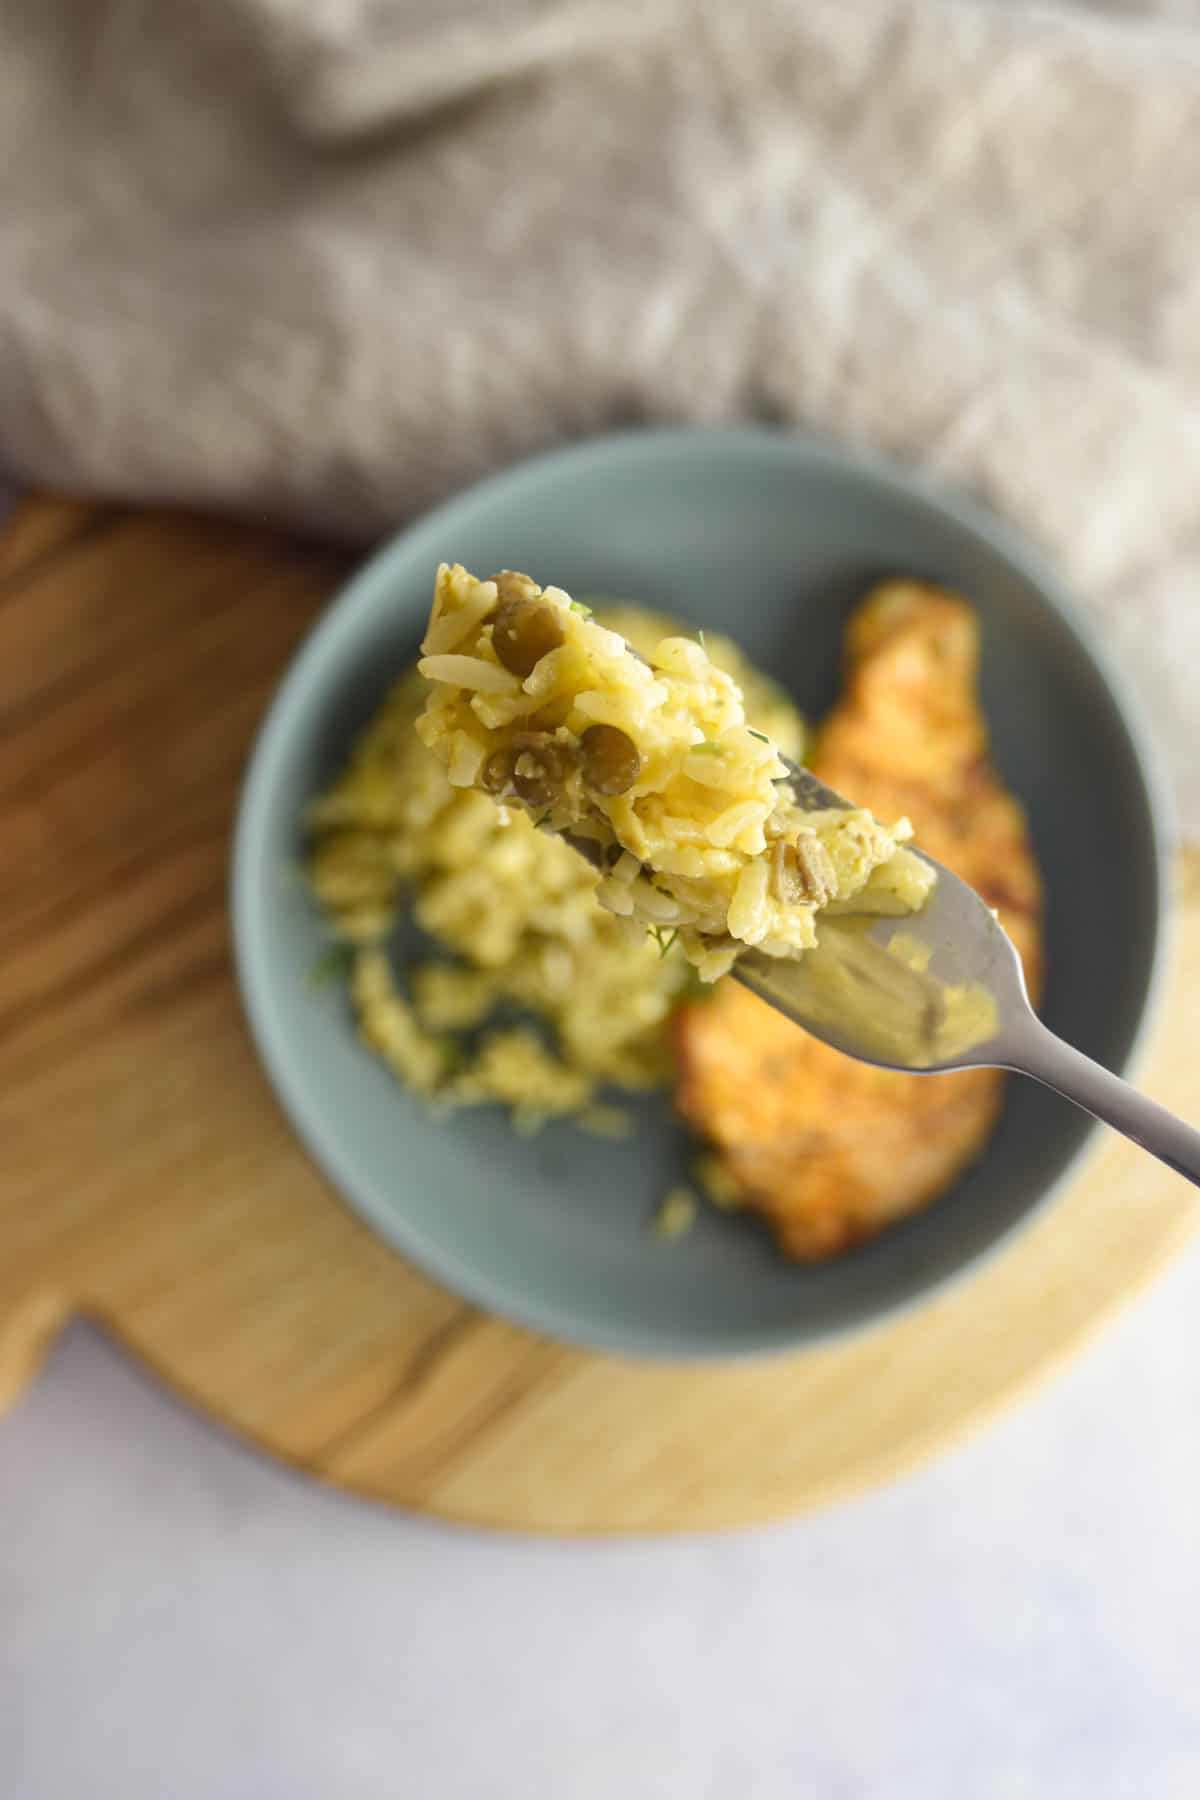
[[1069, 1072]]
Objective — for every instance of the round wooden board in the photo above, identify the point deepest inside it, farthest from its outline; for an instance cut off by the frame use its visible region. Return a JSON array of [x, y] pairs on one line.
[[152, 1184]]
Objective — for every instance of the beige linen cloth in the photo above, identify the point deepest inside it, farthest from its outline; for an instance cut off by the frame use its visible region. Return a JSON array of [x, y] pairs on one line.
[[328, 260]]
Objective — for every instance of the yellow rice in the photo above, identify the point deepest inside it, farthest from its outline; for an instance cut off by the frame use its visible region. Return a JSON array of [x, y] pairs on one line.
[[513, 913], [650, 765]]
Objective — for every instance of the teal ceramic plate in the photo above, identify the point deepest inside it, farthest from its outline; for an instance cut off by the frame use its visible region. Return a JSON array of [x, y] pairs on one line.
[[771, 538]]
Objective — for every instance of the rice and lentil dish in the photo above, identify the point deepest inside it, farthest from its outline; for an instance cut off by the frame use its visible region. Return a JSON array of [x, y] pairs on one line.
[[649, 766], [530, 995]]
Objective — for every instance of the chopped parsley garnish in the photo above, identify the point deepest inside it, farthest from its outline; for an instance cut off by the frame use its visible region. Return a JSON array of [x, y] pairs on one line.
[[577, 606], [760, 735]]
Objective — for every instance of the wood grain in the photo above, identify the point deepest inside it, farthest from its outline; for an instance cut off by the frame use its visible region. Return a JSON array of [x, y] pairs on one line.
[[150, 1182]]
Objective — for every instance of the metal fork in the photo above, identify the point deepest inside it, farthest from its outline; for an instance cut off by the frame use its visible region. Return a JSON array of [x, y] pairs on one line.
[[893, 1009]]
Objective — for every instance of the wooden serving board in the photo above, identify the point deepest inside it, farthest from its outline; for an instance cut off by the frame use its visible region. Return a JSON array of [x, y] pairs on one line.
[[150, 1182]]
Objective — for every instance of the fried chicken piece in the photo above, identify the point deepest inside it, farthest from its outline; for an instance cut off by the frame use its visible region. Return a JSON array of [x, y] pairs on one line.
[[827, 1149]]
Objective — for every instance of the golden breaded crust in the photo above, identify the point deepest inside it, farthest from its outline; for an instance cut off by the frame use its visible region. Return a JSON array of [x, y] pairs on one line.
[[908, 737], [827, 1149]]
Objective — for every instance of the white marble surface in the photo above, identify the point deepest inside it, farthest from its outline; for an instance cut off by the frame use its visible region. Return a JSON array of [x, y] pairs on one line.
[[180, 1620]]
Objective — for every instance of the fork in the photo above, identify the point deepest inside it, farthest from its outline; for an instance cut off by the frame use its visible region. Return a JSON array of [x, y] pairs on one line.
[[889, 1009]]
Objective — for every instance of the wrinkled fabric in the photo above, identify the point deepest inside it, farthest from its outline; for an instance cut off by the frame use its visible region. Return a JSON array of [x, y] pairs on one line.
[[327, 260]]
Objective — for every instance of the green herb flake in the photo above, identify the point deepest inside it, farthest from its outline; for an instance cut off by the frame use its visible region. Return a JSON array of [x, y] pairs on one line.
[[332, 965], [760, 735], [577, 606]]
